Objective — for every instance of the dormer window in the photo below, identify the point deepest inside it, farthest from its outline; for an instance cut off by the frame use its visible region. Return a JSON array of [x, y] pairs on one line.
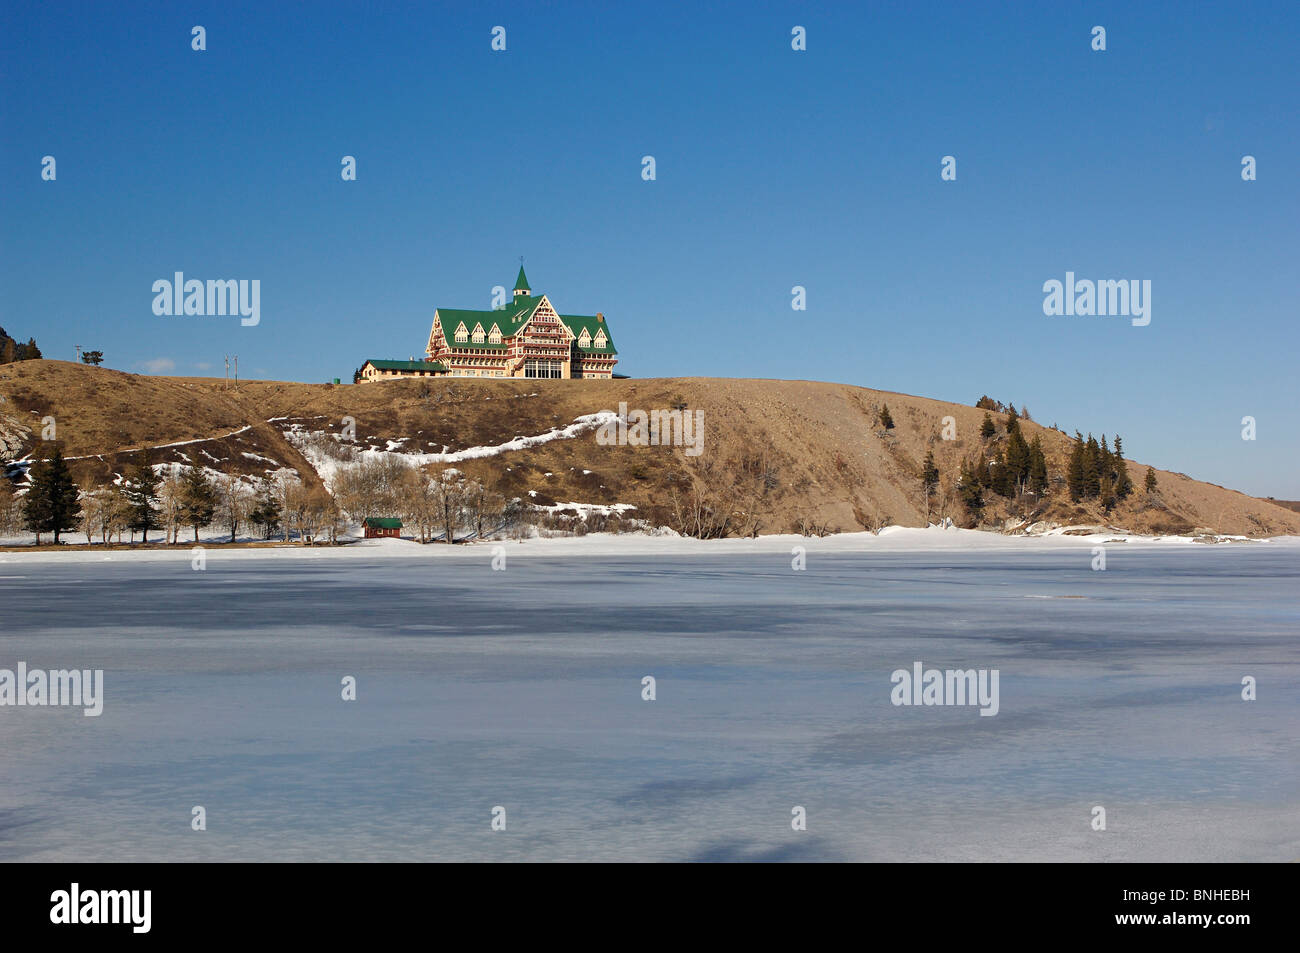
[[495, 336], [600, 339], [479, 336], [584, 339], [462, 335]]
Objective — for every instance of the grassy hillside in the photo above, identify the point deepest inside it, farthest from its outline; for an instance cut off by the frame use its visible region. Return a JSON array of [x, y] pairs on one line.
[[779, 453]]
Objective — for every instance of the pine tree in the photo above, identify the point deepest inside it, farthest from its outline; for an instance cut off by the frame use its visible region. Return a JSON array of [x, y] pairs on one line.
[[929, 480], [1123, 485], [1150, 482], [266, 509], [198, 500], [51, 504], [970, 491], [1004, 480], [1037, 466], [1018, 458], [929, 473], [1107, 493], [1013, 420], [1091, 468], [886, 421], [988, 428], [142, 494], [1074, 472]]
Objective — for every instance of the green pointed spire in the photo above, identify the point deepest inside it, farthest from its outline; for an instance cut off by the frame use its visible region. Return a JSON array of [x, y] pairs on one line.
[[521, 283]]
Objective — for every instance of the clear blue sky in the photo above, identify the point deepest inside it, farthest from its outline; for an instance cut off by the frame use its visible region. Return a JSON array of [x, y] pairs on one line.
[[775, 168]]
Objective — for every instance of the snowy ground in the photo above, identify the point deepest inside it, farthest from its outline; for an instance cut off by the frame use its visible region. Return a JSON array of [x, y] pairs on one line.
[[522, 688], [661, 543]]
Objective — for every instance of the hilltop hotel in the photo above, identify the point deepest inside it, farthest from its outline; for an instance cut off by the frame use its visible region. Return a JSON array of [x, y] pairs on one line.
[[526, 338]]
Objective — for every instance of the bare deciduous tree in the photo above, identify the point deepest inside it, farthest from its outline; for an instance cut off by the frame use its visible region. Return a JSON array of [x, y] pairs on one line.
[[171, 500], [373, 486], [449, 497], [288, 494], [11, 511], [234, 503], [483, 508], [701, 515], [418, 503]]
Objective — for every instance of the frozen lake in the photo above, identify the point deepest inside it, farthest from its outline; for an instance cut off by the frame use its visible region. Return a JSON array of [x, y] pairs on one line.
[[522, 688]]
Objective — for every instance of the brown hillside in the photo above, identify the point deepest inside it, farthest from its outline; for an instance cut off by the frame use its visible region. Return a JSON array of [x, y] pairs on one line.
[[780, 452]]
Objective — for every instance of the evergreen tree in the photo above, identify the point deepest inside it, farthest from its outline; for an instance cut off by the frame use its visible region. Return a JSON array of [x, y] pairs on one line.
[[1123, 485], [929, 473], [970, 491], [95, 358], [929, 480], [51, 503], [1107, 493], [1074, 472], [1091, 468], [198, 500], [1150, 482], [1037, 466], [886, 421], [988, 428], [1018, 458], [142, 494], [266, 508], [1013, 420], [1003, 479]]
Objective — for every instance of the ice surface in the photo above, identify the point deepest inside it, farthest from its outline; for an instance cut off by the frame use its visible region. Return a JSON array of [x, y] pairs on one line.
[[522, 688]]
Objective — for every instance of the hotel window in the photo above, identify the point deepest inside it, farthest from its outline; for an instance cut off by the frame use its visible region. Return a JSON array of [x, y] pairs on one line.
[[584, 339], [479, 336], [546, 369], [461, 335], [600, 339]]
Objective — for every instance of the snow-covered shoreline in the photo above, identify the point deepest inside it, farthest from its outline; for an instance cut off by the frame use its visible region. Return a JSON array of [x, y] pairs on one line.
[[892, 539]]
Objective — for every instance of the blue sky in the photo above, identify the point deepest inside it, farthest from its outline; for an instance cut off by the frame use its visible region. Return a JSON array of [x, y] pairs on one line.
[[775, 168]]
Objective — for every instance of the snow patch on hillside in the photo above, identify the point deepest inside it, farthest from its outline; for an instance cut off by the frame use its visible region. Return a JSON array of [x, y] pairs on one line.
[[586, 509], [328, 466]]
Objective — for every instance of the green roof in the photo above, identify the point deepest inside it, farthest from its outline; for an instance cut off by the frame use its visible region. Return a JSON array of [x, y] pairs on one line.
[[509, 319], [592, 323], [521, 283], [406, 366], [383, 522]]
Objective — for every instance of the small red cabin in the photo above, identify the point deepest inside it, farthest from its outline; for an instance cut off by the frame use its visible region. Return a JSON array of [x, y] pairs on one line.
[[377, 526]]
